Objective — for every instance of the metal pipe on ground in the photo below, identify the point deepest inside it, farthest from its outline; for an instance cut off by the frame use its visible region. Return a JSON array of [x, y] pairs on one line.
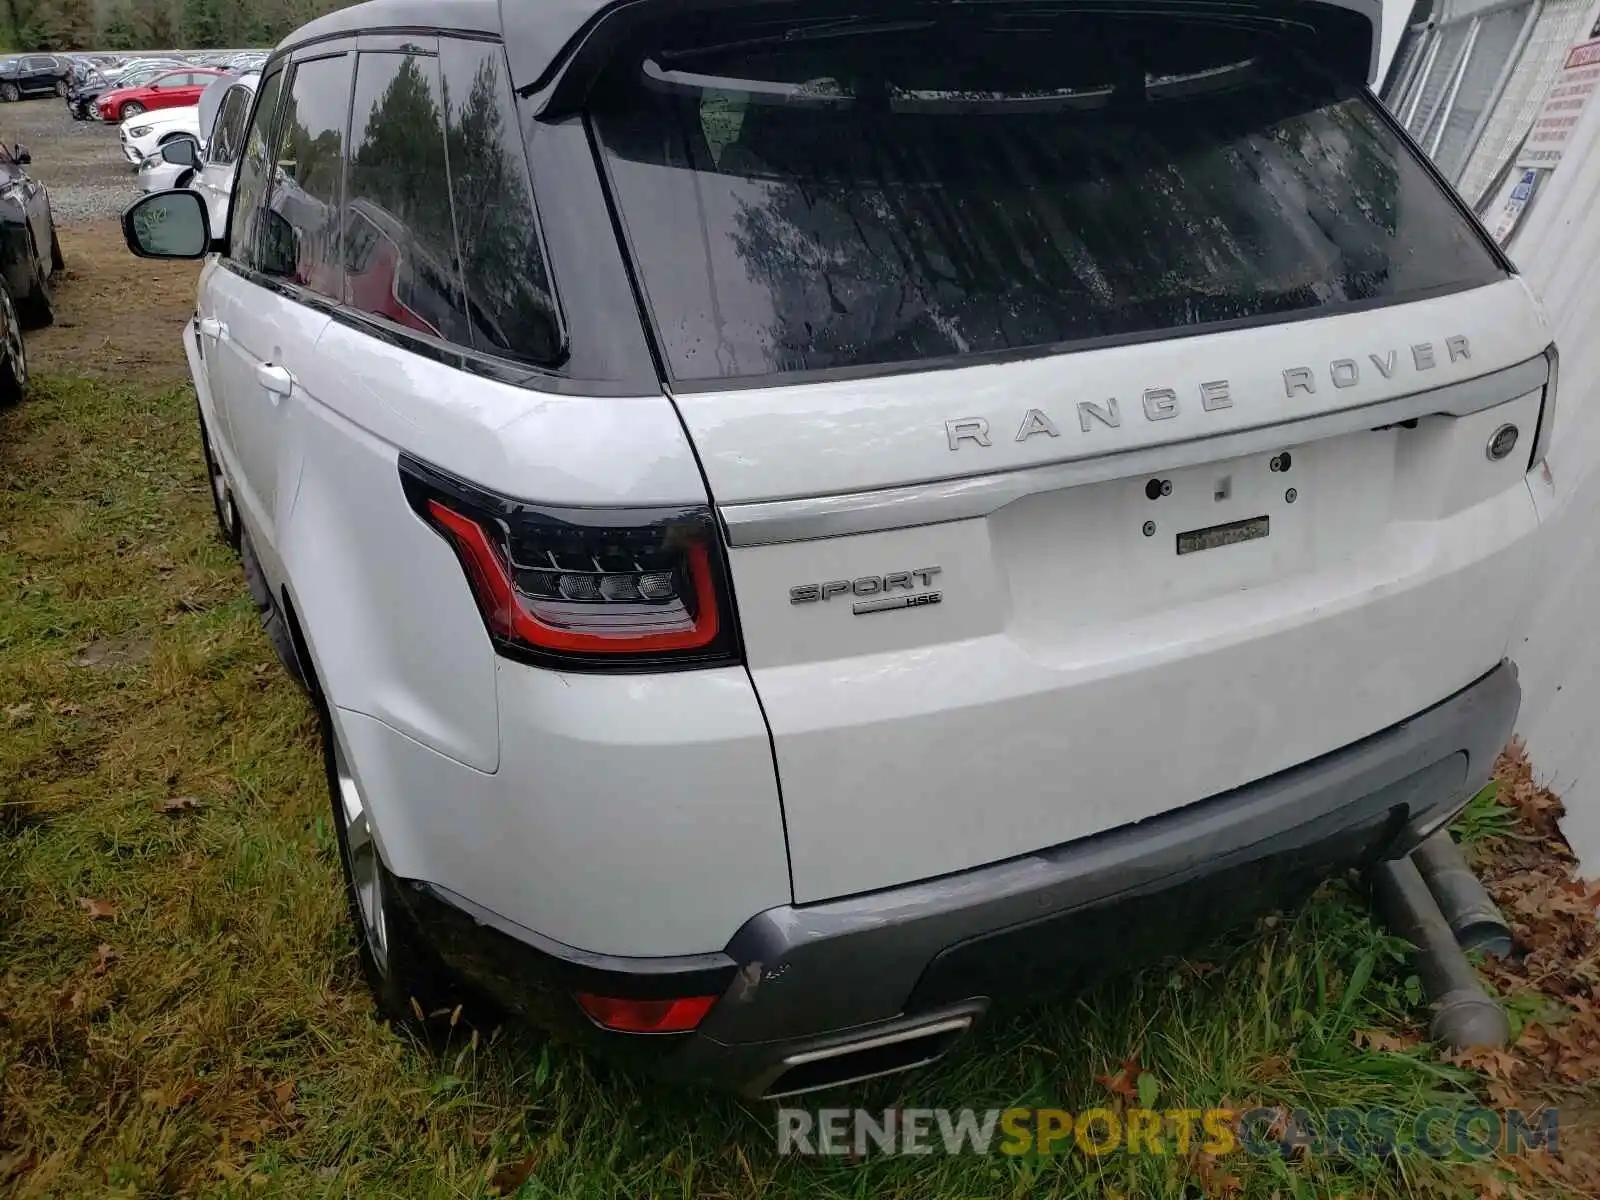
[[1473, 916], [1464, 1015]]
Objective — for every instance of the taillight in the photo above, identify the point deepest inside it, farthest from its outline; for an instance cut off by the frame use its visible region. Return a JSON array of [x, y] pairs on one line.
[[1547, 411], [596, 589]]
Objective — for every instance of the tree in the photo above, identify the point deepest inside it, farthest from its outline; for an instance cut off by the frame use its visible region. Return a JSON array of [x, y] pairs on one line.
[[203, 24], [119, 31]]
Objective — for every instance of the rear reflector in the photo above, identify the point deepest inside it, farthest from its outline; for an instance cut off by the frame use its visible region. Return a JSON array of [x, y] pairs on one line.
[[646, 1016]]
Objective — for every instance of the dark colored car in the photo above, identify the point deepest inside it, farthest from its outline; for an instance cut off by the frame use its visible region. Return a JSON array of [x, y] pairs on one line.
[[25, 75], [30, 251]]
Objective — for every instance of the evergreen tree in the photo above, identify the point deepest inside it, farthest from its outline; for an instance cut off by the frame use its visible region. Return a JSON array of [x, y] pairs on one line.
[[202, 24]]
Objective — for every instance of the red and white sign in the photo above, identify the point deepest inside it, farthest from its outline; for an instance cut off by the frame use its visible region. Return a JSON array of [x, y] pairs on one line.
[[1563, 107]]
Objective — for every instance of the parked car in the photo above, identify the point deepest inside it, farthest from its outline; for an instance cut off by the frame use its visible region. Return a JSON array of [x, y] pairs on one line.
[[225, 115], [172, 89], [30, 250], [25, 75], [82, 98], [206, 165], [144, 134], [855, 550], [162, 172]]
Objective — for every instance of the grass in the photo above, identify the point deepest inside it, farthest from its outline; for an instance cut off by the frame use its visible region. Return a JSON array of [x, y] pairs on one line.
[[212, 1035]]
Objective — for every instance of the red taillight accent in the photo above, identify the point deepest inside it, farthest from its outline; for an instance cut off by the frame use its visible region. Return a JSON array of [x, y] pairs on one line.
[[490, 576], [646, 1016]]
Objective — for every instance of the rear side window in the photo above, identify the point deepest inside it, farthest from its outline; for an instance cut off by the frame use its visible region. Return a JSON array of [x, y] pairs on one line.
[[807, 197], [502, 261], [400, 247], [303, 226]]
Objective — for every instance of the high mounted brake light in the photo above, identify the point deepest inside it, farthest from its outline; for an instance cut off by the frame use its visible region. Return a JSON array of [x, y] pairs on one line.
[[584, 588]]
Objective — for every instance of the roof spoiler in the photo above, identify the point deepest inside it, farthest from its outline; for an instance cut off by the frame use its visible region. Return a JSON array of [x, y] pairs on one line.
[[556, 76]]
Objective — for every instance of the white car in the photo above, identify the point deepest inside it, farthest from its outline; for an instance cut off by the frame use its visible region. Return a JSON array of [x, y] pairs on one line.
[[145, 134], [158, 173], [224, 110], [854, 550]]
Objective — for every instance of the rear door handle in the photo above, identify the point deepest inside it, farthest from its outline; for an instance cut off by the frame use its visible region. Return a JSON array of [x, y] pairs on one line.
[[275, 379], [212, 328]]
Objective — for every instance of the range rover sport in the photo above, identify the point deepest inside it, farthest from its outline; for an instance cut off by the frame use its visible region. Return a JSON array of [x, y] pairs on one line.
[[801, 520]]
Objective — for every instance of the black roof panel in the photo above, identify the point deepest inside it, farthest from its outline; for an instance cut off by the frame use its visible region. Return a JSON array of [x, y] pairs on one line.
[[539, 33], [473, 16]]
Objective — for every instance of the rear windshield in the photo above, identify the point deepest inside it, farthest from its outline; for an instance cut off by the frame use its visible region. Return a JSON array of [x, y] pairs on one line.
[[854, 194]]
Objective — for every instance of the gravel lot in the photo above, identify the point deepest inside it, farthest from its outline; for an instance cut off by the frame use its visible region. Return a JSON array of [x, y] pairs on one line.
[[80, 161]]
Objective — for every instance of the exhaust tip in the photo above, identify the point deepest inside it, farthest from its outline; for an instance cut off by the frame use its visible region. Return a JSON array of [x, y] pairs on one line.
[[868, 1057]]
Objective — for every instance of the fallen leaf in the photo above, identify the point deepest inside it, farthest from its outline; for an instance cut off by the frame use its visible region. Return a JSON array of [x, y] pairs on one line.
[[98, 910], [1386, 1043], [509, 1177], [104, 955], [283, 1096], [1124, 1081], [20, 712], [171, 1096], [180, 804]]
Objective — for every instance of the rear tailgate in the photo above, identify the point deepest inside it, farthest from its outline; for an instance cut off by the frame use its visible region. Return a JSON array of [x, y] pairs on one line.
[[1015, 562], [1077, 673]]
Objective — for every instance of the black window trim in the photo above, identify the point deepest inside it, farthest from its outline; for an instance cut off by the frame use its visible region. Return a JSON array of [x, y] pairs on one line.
[[470, 361]]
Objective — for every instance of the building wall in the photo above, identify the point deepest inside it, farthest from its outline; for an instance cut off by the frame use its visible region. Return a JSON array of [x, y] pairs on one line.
[[1558, 26], [1558, 250]]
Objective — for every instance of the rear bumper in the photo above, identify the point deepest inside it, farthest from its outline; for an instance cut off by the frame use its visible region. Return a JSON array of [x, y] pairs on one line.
[[823, 993]]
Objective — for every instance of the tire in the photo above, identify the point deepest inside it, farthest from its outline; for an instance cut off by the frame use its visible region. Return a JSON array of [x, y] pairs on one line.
[[38, 308], [184, 180], [14, 367], [58, 261], [267, 610], [407, 981], [131, 109], [61, 88], [221, 498], [10, 93]]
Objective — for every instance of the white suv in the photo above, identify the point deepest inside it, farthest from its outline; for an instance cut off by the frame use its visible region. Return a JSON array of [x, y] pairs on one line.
[[801, 523]]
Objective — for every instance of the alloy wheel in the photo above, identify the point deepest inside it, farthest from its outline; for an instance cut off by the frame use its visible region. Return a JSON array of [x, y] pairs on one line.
[[15, 347], [361, 859]]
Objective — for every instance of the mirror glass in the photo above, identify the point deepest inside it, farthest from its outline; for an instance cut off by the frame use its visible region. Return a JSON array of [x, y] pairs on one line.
[[181, 152], [168, 225]]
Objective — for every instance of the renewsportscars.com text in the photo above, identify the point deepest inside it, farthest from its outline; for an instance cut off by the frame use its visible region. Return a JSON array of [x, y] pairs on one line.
[[1259, 1132]]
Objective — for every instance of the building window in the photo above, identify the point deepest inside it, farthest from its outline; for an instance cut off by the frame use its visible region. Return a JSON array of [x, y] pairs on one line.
[[1453, 75]]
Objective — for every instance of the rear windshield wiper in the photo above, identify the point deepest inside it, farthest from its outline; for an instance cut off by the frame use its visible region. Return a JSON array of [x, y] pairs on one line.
[[847, 27]]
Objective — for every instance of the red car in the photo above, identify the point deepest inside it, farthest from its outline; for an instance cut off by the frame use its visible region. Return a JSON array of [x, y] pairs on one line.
[[178, 88]]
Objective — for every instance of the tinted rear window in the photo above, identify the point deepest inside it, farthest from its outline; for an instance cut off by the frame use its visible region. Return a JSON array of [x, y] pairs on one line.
[[932, 192]]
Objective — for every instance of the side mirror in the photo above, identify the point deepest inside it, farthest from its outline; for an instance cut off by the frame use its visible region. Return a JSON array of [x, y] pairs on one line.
[[20, 155], [173, 224], [181, 152]]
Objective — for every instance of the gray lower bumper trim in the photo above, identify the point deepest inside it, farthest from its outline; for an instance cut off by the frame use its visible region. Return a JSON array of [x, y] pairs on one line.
[[852, 962]]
